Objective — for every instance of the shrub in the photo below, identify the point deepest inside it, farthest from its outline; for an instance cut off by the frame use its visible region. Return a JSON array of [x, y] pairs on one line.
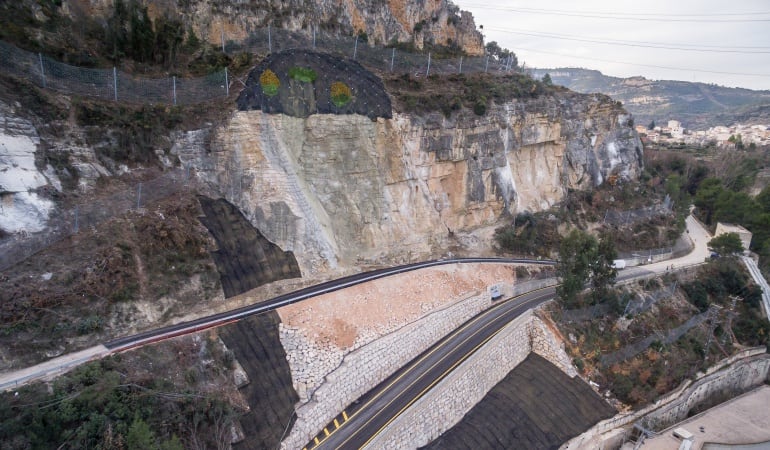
[[89, 324], [480, 107], [241, 61], [340, 94], [269, 82], [304, 74], [697, 294]]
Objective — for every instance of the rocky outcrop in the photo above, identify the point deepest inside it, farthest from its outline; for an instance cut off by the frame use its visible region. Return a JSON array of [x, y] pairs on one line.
[[21, 208], [333, 187], [420, 22]]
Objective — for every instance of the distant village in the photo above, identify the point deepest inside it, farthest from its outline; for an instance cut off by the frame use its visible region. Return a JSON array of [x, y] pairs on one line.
[[736, 136]]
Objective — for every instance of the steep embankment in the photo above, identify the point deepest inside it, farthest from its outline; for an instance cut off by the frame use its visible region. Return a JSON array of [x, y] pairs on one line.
[[255, 344], [535, 406]]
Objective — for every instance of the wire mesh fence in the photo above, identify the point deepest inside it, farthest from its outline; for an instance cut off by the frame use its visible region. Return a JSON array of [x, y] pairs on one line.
[[66, 223], [642, 302], [110, 84], [665, 337], [632, 216], [115, 85]]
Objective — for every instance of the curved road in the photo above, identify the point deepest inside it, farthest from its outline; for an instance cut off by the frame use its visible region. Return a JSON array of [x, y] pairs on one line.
[[371, 414], [61, 364]]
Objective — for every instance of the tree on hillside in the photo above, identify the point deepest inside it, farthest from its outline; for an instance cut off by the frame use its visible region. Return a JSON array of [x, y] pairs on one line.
[[583, 258], [603, 270], [706, 197], [651, 126], [547, 79], [493, 49], [726, 244]]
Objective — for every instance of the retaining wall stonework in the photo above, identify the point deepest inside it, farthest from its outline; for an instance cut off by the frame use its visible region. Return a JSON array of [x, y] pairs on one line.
[[370, 362], [732, 376], [446, 404]]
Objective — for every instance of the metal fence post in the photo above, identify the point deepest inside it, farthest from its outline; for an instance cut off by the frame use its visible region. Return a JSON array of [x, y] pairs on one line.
[[76, 218], [392, 58], [269, 40], [313, 38], [174, 78], [427, 72], [115, 81], [42, 70], [486, 66], [461, 65], [227, 84], [355, 48], [139, 196], [223, 38]]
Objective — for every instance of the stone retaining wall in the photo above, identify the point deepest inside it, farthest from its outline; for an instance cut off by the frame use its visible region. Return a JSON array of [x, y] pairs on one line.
[[352, 375], [735, 375], [446, 404]]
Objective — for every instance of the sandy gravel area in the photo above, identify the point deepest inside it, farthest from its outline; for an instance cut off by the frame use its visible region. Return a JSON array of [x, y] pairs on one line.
[[383, 305]]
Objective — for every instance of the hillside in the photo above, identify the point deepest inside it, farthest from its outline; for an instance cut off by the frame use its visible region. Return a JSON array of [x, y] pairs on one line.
[[697, 105], [309, 166]]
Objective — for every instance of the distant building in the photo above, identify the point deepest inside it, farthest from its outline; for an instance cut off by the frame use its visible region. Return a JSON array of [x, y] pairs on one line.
[[676, 129], [742, 233]]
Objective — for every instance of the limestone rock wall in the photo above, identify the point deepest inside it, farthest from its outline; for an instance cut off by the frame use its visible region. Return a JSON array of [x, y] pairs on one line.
[[21, 209], [347, 188], [440, 22]]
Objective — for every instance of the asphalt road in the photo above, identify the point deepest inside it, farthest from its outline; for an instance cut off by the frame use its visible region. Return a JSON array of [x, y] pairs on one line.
[[362, 421], [388, 400], [63, 363]]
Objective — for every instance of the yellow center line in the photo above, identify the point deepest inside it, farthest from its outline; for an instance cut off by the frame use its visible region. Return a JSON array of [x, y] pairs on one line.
[[434, 365], [430, 386], [427, 355]]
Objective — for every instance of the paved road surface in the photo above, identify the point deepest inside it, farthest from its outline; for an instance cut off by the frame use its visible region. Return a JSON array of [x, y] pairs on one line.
[[362, 421], [64, 363]]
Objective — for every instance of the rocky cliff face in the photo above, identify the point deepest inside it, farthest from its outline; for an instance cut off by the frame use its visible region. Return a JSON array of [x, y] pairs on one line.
[[22, 209], [344, 188], [418, 22]]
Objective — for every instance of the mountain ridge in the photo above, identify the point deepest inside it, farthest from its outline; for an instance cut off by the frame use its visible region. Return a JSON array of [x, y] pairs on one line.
[[696, 105]]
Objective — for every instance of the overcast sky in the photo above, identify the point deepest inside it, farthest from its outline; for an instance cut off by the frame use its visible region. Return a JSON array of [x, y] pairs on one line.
[[730, 36]]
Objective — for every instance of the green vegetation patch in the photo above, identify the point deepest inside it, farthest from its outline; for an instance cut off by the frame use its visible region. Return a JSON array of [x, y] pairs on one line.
[[137, 401], [303, 74], [269, 82], [340, 94]]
